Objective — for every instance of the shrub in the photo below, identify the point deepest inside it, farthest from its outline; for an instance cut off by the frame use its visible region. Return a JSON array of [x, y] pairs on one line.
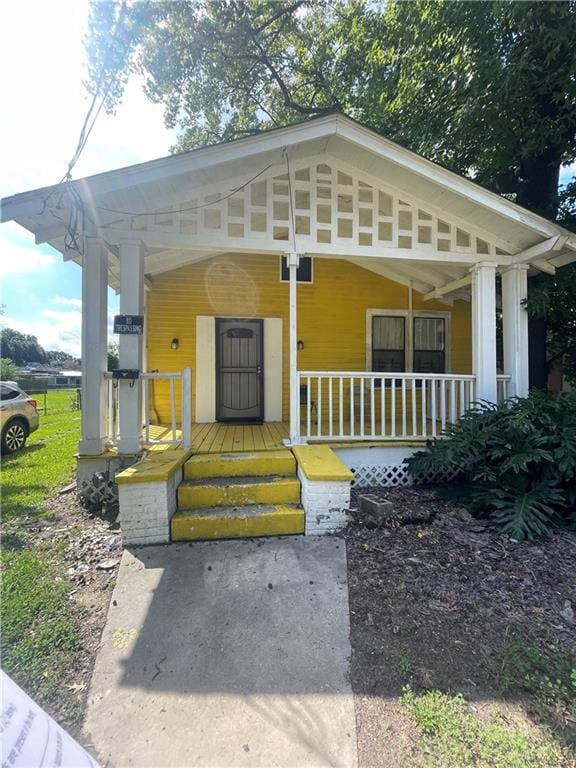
[[515, 463]]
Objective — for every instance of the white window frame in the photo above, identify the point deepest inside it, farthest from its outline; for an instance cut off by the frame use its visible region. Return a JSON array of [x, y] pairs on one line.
[[409, 333]]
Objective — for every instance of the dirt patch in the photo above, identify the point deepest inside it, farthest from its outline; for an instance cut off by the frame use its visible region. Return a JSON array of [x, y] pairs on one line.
[[437, 601], [90, 547]]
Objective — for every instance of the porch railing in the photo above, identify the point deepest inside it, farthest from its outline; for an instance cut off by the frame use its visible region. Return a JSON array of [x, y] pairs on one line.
[[503, 387], [374, 406], [177, 428]]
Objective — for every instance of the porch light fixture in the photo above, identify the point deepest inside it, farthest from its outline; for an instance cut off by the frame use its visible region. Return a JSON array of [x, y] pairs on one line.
[[174, 343], [300, 344]]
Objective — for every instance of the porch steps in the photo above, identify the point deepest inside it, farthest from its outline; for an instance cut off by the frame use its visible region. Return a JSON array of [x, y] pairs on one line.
[[254, 463], [237, 522], [238, 495]]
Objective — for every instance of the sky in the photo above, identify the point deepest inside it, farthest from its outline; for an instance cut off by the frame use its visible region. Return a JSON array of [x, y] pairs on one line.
[[43, 105]]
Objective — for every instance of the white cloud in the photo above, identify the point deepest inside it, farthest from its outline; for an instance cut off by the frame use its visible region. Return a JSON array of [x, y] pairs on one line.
[[67, 302], [54, 330], [17, 258]]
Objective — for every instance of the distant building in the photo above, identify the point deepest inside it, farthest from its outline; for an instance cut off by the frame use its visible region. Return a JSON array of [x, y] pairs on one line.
[[48, 376]]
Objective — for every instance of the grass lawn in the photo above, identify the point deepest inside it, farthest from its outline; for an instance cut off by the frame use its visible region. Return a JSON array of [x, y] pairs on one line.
[[40, 625]]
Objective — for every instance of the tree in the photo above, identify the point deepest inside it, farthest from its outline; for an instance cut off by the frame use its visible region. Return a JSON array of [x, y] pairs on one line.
[[495, 80], [8, 370], [113, 361], [63, 360], [21, 348]]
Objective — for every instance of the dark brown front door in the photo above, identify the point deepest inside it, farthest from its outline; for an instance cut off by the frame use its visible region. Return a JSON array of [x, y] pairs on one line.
[[239, 370]]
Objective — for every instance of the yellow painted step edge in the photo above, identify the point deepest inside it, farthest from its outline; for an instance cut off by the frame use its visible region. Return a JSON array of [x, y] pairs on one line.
[[241, 465], [280, 491], [278, 522], [319, 462]]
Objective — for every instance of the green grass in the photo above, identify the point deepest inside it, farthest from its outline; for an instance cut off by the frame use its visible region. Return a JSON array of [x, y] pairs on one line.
[[453, 736], [30, 476], [40, 626]]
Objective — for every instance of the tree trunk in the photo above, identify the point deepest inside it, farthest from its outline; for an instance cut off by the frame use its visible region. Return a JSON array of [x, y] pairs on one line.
[[537, 358]]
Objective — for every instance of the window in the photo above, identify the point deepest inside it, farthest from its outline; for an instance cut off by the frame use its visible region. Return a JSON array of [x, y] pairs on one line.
[[303, 273], [429, 345], [397, 344], [388, 344], [7, 393]]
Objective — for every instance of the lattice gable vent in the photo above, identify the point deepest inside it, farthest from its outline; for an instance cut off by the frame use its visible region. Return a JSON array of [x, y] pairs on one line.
[[331, 206]]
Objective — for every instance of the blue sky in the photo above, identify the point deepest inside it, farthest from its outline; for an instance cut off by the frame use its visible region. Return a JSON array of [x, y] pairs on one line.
[[44, 104]]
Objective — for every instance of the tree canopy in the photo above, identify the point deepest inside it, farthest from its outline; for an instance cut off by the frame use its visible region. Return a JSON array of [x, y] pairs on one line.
[[486, 88], [21, 348]]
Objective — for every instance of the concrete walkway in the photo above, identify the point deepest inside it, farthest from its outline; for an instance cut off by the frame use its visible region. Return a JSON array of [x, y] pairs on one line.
[[226, 654]]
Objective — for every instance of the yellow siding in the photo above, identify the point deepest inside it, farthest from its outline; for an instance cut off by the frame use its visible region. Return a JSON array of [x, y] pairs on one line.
[[331, 312]]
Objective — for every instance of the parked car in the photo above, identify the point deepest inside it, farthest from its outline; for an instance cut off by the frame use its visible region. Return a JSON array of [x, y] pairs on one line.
[[18, 416]]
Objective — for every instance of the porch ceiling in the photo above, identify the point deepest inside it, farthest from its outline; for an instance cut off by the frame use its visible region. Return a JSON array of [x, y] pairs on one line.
[[191, 181]]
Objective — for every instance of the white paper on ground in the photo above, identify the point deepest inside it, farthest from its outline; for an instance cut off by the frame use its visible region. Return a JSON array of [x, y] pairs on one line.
[[30, 738]]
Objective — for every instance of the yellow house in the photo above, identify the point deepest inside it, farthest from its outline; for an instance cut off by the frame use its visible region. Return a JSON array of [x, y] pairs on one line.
[[299, 311]]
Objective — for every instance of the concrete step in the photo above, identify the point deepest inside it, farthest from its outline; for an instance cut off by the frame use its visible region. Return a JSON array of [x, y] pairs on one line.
[[227, 491], [248, 464], [236, 522]]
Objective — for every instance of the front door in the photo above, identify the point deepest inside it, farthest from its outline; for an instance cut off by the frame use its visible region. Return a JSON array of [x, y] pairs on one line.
[[239, 379]]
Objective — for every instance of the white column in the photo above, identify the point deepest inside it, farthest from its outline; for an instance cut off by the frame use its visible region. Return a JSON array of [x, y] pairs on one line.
[[94, 348], [293, 259], [515, 328], [484, 330], [130, 347]]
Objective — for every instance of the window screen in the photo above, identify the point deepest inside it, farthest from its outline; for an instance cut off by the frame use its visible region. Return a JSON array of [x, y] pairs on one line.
[[388, 344], [429, 345], [303, 273]]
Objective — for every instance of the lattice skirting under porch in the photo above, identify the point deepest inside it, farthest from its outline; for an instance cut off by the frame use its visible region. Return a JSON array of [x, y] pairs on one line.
[[385, 467]]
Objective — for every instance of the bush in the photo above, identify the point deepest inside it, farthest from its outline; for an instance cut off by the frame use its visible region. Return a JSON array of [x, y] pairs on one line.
[[515, 463]]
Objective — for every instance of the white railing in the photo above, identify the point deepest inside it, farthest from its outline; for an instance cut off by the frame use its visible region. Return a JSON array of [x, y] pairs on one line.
[[339, 405], [503, 387], [178, 430], [171, 435]]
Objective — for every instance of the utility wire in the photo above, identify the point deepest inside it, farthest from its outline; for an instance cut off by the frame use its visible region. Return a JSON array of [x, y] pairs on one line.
[[191, 208]]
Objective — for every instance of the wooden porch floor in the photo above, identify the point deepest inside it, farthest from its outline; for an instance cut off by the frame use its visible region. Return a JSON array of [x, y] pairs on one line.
[[236, 438]]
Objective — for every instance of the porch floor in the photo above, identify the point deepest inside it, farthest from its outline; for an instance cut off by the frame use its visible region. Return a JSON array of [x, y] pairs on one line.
[[237, 438]]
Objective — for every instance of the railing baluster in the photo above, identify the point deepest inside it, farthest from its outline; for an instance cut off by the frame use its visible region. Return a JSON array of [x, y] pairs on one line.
[[383, 407], [146, 411], [330, 415], [372, 414], [341, 404], [433, 384], [452, 401], [413, 407], [308, 407], [443, 404], [403, 407], [462, 398], [423, 401], [172, 408], [361, 407], [352, 406], [319, 412], [393, 408]]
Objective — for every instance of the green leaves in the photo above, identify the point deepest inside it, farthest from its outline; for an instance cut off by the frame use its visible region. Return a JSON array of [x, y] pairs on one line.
[[515, 463]]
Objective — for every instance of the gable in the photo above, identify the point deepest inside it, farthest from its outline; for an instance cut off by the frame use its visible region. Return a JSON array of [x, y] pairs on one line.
[[324, 205]]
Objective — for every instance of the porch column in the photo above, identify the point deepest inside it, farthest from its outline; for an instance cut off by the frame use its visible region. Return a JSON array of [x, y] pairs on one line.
[[130, 346], [515, 328], [293, 259], [484, 330], [94, 348]]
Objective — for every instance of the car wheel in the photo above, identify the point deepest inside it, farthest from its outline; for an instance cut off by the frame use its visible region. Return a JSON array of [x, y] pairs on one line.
[[14, 436]]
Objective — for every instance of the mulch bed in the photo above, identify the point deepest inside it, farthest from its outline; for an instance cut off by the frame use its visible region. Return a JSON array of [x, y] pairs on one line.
[[435, 598]]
